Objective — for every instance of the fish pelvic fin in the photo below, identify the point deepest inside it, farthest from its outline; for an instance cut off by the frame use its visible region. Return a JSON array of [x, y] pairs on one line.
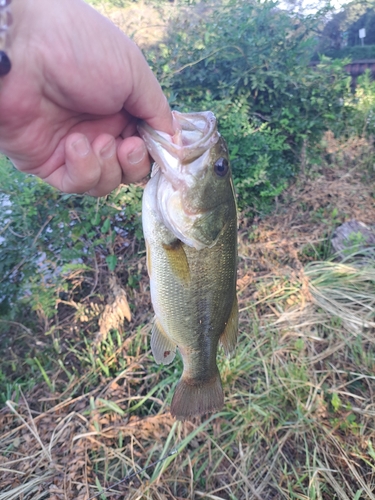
[[191, 399], [163, 348], [228, 338]]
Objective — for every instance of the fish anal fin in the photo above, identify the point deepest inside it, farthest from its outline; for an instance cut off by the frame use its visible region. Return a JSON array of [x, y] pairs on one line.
[[228, 338], [163, 349], [191, 399], [177, 260]]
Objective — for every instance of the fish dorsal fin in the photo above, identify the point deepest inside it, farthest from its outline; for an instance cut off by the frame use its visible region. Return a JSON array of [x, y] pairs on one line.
[[177, 260], [163, 349], [228, 338]]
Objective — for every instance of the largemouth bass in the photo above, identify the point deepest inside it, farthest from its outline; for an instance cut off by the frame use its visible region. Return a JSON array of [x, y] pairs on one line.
[[190, 227]]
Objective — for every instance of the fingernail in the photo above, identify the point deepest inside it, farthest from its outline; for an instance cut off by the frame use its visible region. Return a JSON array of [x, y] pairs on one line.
[[137, 155], [108, 150], [81, 146]]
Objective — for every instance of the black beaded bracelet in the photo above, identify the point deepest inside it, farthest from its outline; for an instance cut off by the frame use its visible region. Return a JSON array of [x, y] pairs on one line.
[[5, 63], [5, 22]]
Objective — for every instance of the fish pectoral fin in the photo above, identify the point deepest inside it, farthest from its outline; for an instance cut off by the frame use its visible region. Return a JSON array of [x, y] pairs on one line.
[[177, 260], [163, 349], [228, 338]]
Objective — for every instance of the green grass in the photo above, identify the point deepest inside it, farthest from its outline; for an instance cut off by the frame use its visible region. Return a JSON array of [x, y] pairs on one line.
[[298, 421]]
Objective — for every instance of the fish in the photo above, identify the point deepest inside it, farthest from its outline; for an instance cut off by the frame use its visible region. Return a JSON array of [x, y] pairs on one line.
[[189, 218]]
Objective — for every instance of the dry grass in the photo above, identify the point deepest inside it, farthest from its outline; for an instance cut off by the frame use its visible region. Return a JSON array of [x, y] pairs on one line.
[[299, 419], [115, 312]]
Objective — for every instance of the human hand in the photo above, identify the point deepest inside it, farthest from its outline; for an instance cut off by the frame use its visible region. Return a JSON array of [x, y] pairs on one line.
[[70, 104]]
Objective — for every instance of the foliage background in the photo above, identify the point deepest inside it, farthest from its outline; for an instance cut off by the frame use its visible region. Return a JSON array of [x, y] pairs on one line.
[[251, 67]]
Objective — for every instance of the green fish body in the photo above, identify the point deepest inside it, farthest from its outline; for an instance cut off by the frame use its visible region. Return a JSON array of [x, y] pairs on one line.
[[190, 227]]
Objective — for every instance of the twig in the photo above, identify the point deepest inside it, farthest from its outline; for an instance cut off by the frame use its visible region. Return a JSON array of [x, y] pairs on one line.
[[126, 478], [5, 227], [20, 264], [188, 65], [61, 405], [33, 431], [17, 324], [249, 484]]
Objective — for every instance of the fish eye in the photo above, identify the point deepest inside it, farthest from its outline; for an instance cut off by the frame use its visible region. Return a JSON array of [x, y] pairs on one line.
[[221, 167]]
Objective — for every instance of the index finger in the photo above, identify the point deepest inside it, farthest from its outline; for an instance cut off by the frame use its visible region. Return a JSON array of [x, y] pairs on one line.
[[146, 99]]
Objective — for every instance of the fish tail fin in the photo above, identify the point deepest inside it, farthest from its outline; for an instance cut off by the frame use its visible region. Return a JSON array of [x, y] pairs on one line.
[[191, 399]]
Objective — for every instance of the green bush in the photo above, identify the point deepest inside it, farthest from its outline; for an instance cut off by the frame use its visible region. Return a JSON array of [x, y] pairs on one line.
[[358, 118], [363, 106], [352, 53], [48, 237], [254, 148], [249, 63]]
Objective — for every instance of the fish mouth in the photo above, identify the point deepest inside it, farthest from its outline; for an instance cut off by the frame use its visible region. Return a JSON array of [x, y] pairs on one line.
[[195, 134], [182, 160]]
